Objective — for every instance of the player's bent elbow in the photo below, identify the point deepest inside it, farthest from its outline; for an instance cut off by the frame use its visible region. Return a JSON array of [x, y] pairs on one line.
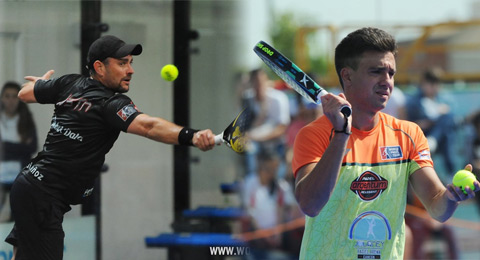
[[311, 214], [309, 211], [309, 201], [308, 207]]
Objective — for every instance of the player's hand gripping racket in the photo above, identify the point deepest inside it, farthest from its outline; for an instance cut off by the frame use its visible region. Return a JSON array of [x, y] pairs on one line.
[[293, 75], [234, 135]]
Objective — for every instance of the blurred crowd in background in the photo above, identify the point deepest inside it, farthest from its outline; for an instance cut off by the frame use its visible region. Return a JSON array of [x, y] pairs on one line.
[[268, 182]]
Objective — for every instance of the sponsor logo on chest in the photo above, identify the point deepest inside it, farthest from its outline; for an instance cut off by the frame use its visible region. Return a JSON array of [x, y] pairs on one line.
[[369, 186], [391, 152]]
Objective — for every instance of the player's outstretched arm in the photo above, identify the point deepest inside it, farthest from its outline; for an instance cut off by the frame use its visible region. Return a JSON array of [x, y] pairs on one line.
[[164, 131], [26, 93], [440, 201]]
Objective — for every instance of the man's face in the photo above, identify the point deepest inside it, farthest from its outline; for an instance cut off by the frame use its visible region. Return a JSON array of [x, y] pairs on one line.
[[430, 89], [260, 84], [267, 171], [118, 73], [369, 86]]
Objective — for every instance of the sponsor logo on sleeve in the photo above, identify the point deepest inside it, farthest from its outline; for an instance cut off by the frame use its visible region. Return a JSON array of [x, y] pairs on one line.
[[424, 155], [127, 111]]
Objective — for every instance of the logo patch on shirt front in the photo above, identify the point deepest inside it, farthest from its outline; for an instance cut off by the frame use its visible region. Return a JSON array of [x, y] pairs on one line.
[[370, 231], [391, 152], [127, 111], [369, 186]]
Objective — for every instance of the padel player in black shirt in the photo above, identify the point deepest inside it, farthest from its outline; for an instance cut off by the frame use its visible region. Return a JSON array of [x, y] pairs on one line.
[[89, 114]]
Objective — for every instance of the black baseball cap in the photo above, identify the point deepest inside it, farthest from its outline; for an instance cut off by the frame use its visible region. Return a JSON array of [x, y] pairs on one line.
[[110, 46]]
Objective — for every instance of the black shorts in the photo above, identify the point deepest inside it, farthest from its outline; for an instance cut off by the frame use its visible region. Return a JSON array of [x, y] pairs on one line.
[[38, 232]]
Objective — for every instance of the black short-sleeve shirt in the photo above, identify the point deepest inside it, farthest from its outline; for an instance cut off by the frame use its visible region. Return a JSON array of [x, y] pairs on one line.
[[87, 121]]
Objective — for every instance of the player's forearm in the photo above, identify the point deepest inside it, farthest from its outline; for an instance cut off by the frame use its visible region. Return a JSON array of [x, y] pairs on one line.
[[314, 189], [268, 133], [277, 132], [155, 128], [163, 131], [442, 208]]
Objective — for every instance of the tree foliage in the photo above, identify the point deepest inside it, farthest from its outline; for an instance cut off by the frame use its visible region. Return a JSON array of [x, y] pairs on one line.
[[283, 33]]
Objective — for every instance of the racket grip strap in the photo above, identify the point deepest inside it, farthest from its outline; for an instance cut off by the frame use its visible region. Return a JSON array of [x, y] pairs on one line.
[[186, 135], [344, 131]]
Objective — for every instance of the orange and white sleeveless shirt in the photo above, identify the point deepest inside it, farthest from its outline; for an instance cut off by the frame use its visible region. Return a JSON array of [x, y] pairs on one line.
[[364, 218]]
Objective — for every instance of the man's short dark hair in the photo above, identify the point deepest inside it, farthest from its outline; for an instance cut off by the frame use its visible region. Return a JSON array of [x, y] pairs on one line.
[[349, 51], [433, 75]]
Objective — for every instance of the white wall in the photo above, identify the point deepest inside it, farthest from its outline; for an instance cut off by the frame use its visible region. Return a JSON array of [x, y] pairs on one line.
[[213, 89]]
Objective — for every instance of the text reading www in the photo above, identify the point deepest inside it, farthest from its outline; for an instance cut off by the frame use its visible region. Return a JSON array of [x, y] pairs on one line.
[[229, 250]]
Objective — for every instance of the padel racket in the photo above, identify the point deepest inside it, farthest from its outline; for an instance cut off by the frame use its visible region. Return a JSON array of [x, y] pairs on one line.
[[293, 75], [234, 135]]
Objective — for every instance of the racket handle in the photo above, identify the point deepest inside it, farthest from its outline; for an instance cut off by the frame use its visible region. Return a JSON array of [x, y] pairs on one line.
[[219, 139], [346, 110]]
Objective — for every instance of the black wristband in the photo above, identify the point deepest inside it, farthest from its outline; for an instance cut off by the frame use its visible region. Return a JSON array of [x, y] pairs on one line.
[[344, 131], [185, 136]]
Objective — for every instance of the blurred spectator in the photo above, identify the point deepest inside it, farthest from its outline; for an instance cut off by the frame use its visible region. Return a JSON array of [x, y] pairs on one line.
[[241, 84], [18, 137], [269, 200], [432, 112], [270, 109], [307, 112]]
